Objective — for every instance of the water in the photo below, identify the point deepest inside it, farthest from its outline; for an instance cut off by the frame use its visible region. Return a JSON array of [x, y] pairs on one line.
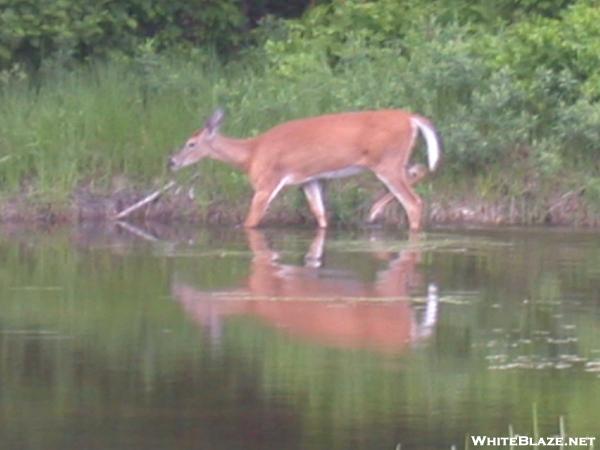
[[173, 338]]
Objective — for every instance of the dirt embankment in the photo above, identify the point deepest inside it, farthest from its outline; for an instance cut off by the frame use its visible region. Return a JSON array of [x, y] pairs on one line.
[[564, 209]]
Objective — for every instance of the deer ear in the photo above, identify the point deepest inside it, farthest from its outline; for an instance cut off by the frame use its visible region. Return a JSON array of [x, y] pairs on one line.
[[214, 122]]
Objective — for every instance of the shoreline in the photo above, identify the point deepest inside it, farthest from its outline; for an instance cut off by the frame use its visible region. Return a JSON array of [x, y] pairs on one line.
[[564, 210]]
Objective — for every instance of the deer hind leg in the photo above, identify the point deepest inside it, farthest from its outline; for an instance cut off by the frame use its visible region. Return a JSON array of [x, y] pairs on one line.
[[313, 193], [379, 206], [400, 187], [415, 173], [263, 196]]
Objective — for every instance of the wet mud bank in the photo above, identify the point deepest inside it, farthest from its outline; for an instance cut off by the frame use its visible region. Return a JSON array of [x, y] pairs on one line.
[[563, 209]]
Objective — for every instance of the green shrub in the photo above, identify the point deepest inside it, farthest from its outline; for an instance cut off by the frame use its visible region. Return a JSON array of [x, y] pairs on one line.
[[578, 127], [570, 43], [30, 32], [502, 100]]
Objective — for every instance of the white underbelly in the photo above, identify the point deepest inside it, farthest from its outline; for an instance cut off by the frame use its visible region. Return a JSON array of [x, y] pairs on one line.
[[341, 173]]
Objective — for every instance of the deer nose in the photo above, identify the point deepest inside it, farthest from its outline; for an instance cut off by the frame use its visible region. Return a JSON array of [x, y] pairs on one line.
[[170, 164]]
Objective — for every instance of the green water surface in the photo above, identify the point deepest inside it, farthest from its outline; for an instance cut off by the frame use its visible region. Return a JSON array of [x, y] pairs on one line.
[[177, 338]]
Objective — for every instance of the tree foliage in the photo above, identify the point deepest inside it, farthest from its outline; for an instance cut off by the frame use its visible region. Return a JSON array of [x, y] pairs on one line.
[[79, 29], [510, 83]]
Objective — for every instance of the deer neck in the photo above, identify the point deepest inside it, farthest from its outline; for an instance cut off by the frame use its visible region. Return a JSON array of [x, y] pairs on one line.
[[236, 152]]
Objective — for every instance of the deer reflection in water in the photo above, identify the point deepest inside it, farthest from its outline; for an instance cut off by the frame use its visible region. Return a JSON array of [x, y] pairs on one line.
[[324, 306]]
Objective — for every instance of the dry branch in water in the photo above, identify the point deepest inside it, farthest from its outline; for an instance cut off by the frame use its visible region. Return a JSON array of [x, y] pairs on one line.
[[153, 196]]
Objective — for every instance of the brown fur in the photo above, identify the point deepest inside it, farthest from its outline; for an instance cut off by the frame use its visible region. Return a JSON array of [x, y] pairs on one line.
[[301, 152]]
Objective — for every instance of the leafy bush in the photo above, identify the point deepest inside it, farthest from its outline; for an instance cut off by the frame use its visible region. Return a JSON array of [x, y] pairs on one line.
[[568, 44], [33, 31], [333, 34], [498, 12], [578, 127], [524, 95]]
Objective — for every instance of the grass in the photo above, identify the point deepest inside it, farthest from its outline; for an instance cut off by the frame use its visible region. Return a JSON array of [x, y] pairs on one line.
[[90, 125], [112, 124]]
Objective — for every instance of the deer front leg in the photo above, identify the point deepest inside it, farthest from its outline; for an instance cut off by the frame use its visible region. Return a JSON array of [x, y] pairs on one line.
[[260, 202], [314, 256], [313, 193], [260, 248]]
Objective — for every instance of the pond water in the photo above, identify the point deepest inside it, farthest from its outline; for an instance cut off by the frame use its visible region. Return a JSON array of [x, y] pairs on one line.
[[188, 338]]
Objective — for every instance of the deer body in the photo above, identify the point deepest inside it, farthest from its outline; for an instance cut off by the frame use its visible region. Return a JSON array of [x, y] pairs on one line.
[[328, 306], [304, 151]]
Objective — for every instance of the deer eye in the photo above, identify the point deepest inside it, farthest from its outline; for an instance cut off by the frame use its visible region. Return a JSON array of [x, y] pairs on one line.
[[192, 144]]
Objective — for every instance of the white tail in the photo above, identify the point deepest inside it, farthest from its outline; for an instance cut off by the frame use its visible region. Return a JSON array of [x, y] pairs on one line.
[[323, 306], [432, 139], [305, 151]]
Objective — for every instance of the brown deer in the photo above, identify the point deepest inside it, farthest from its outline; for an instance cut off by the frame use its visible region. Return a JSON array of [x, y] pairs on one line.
[[305, 151], [321, 305]]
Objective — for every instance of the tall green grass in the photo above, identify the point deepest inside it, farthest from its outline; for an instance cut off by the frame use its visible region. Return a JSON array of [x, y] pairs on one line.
[[96, 122], [113, 123]]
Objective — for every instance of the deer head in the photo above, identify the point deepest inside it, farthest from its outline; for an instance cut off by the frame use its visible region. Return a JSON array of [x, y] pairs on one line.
[[198, 146]]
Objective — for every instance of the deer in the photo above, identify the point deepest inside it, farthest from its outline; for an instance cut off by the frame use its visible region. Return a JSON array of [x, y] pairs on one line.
[[304, 152], [325, 305]]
